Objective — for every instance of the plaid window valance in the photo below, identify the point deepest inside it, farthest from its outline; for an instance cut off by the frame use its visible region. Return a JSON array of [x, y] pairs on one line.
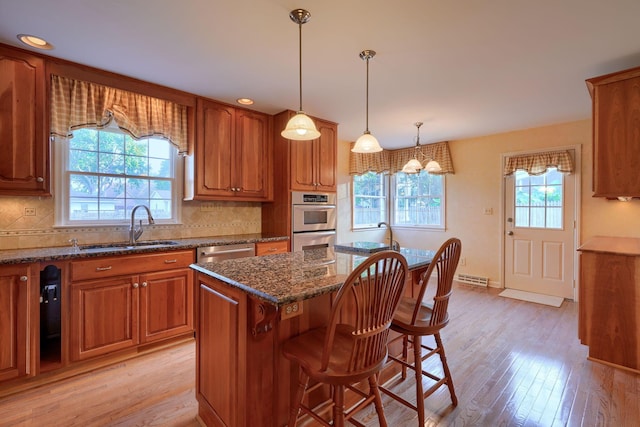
[[392, 161], [77, 104], [537, 164]]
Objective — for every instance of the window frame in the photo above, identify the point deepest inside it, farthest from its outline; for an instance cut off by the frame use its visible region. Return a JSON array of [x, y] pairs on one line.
[[61, 151], [384, 178], [443, 210], [390, 185]]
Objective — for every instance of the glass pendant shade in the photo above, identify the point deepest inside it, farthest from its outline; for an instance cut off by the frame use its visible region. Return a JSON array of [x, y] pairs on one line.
[[367, 143], [412, 166], [433, 166], [300, 128]]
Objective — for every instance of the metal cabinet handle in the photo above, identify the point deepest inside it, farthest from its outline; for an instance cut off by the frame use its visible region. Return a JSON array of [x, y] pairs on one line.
[[40, 179], [135, 286], [23, 278], [144, 284], [103, 268], [510, 233], [170, 261]]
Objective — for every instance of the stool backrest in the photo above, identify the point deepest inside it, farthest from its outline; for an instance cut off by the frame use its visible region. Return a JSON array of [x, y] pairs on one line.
[[444, 263], [371, 292]]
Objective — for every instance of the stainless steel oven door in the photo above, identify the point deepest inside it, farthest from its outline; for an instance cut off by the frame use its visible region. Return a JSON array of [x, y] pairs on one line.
[[313, 217], [313, 240]]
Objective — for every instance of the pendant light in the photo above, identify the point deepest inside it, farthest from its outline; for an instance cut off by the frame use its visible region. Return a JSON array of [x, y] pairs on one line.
[[367, 143], [300, 127], [414, 165]]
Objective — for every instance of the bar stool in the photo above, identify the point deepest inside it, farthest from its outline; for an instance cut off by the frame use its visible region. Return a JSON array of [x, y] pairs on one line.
[[352, 347], [415, 319]]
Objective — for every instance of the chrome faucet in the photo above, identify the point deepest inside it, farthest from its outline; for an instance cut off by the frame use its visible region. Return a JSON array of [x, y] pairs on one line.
[[395, 246], [136, 232]]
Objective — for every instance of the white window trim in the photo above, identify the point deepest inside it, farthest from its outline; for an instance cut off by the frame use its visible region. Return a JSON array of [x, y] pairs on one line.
[[61, 191], [392, 204], [386, 212], [389, 212]]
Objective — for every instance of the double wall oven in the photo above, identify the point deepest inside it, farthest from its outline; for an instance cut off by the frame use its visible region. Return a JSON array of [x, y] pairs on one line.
[[313, 220]]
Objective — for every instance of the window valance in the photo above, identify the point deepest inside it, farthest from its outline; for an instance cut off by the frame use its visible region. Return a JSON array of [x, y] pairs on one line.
[[537, 163], [392, 161], [78, 104]]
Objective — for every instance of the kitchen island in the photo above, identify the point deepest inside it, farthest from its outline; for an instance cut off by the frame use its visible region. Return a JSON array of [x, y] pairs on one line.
[[246, 310]]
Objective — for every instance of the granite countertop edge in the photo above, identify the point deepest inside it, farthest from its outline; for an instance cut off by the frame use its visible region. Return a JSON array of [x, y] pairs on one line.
[[58, 253]]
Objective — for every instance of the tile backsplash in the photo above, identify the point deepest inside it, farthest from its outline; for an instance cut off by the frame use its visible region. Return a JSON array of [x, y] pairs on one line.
[[27, 222]]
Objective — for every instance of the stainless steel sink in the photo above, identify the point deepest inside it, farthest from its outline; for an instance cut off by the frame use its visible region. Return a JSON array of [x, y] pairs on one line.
[[127, 245]]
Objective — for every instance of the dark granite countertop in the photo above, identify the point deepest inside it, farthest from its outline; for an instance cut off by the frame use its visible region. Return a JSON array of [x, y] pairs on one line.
[[294, 276], [361, 247], [20, 256]]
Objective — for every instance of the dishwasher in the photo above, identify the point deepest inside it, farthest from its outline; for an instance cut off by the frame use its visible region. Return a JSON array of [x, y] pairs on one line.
[[222, 252]]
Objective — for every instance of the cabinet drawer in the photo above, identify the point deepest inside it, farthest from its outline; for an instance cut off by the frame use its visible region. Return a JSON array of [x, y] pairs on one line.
[[129, 264], [269, 248]]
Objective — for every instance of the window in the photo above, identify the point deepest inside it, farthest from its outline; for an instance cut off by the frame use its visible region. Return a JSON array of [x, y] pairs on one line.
[[103, 174], [539, 199], [418, 200], [369, 199]]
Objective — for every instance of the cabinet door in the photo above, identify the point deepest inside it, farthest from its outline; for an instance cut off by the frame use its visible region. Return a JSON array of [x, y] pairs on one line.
[[253, 156], [220, 350], [616, 139], [14, 285], [214, 149], [104, 316], [303, 159], [326, 156], [24, 168], [166, 304], [313, 163]]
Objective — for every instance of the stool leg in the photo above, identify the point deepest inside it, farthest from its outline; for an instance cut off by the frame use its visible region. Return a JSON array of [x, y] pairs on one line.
[[338, 409], [417, 352], [405, 345], [445, 368], [295, 406], [373, 387]]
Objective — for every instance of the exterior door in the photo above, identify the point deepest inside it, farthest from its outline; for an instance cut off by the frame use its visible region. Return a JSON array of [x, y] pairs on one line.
[[539, 248]]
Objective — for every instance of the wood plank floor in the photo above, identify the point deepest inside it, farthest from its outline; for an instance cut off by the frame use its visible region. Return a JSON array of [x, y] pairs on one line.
[[514, 363]]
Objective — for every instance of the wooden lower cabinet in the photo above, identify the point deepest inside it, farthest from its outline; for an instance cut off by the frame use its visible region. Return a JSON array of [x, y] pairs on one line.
[[270, 248], [104, 316], [117, 312], [166, 304], [14, 312]]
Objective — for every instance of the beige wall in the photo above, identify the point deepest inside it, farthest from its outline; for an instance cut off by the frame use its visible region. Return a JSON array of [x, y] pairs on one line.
[[477, 184]]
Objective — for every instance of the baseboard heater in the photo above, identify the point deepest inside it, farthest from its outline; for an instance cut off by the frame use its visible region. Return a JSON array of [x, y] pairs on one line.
[[473, 280]]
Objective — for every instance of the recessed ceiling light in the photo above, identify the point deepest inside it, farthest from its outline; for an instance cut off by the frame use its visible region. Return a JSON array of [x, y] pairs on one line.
[[34, 41], [244, 101]]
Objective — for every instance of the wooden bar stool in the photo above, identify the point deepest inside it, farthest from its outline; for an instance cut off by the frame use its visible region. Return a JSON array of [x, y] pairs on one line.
[[353, 346], [416, 318]]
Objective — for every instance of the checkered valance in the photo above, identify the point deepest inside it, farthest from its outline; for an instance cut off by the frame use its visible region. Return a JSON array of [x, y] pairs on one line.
[[537, 163], [78, 104], [392, 161]]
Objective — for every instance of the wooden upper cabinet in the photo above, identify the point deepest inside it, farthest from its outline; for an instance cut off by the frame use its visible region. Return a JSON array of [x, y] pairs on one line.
[[313, 163], [24, 164], [233, 153], [616, 133]]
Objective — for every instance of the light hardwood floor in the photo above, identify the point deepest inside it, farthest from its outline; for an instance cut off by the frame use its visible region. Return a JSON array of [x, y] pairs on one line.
[[513, 363]]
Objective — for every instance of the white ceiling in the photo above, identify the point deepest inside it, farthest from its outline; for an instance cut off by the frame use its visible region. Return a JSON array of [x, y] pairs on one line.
[[465, 68]]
